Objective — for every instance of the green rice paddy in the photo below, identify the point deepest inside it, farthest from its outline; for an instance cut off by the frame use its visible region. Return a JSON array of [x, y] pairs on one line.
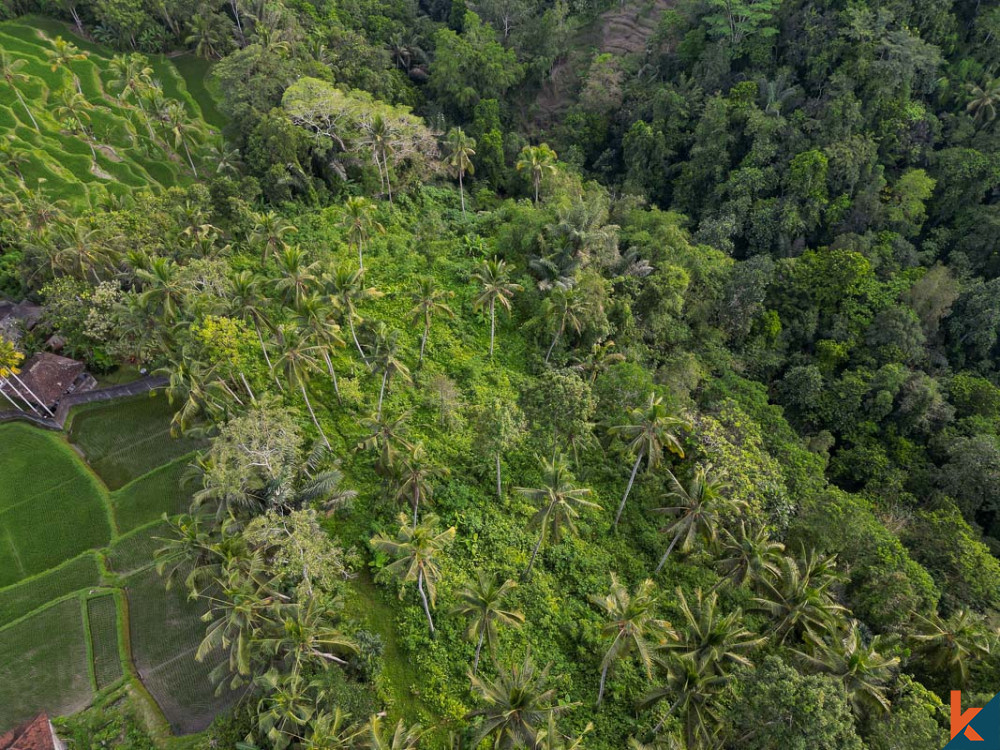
[[79, 592]]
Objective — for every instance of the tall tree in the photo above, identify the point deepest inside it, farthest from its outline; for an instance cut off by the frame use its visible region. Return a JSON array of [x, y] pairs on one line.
[[484, 602], [632, 625], [415, 475], [460, 148], [427, 300], [700, 508], [564, 307], [346, 287], [497, 288], [386, 359], [10, 72], [649, 431], [800, 599], [519, 703], [559, 501], [315, 316], [359, 224], [536, 160], [417, 552], [297, 360]]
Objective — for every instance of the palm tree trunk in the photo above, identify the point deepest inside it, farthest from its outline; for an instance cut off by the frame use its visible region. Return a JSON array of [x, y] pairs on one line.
[[333, 375], [423, 339], [423, 597], [479, 649], [416, 503], [190, 160], [312, 414], [604, 677], [381, 393], [461, 191], [247, 386], [537, 180], [499, 484], [628, 489], [552, 346], [361, 255], [669, 550], [23, 104], [534, 554], [354, 335], [267, 358], [493, 324]]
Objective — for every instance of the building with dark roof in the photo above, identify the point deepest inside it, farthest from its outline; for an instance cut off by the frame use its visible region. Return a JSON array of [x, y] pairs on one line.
[[37, 734], [46, 378]]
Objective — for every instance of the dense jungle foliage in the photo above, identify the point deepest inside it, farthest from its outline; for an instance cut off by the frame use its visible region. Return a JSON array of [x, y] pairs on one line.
[[656, 409]]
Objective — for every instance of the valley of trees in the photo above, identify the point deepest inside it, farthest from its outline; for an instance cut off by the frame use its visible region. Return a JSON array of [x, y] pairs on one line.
[[665, 417]]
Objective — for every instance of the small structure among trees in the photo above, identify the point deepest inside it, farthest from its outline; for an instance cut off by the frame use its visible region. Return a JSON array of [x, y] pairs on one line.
[[43, 381]]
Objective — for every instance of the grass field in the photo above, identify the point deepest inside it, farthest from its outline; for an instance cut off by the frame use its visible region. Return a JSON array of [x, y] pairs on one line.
[[52, 518], [128, 439], [44, 663], [102, 622], [124, 158], [145, 499], [73, 553]]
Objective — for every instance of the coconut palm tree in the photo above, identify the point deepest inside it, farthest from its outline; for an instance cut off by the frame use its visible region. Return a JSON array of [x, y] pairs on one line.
[[559, 501], [288, 706], [359, 224], [856, 663], [269, 232], [799, 598], [550, 738], [497, 288], [10, 72], [297, 277], [182, 129], [417, 552], [133, 76], [648, 432], [378, 734], [563, 308], [519, 703], [330, 731], [459, 150], [700, 508], [632, 625], [247, 302], [483, 602], [716, 643], [62, 54], [73, 111], [695, 693], [414, 475], [315, 316], [385, 359], [537, 160], [12, 158], [984, 100], [427, 300], [950, 645], [164, 292], [297, 360], [304, 638], [387, 436], [749, 555], [346, 288]]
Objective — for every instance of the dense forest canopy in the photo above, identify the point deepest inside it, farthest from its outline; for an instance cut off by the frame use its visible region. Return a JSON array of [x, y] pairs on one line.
[[661, 382]]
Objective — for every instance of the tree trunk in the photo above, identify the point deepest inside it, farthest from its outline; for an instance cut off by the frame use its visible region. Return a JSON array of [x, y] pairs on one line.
[[423, 598], [479, 649], [667, 553], [628, 489], [247, 386], [267, 358], [534, 554], [361, 255], [23, 104], [499, 484], [416, 503], [604, 677], [381, 393], [552, 346], [354, 335], [493, 324], [423, 339], [190, 160], [461, 191], [538, 179], [333, 375], [313, 415]]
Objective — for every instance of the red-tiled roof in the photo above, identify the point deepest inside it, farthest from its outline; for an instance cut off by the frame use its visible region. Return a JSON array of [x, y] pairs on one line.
[[35, 735]]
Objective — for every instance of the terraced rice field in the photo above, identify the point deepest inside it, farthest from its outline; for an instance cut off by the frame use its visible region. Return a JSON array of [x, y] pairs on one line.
[[76, 565], [117, 155]]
